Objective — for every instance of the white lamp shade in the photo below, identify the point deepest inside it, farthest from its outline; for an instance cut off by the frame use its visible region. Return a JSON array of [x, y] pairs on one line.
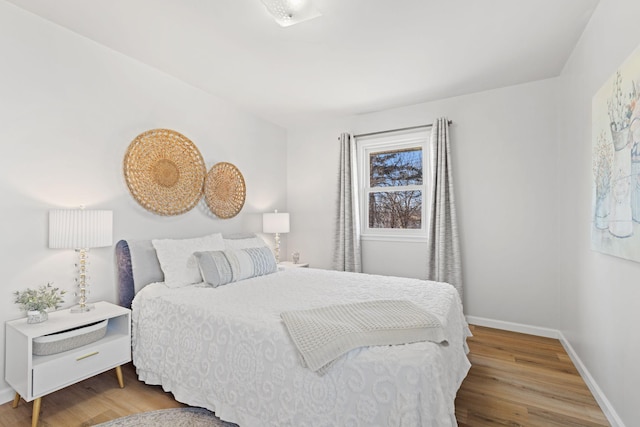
[[275, 222], [80, 228]]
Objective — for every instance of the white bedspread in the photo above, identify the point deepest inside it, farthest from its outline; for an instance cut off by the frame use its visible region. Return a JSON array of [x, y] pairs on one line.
[[227, 349]]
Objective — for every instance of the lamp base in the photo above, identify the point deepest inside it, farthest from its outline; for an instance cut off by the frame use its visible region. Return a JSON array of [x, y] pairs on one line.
[[82, 308], [277, 248]]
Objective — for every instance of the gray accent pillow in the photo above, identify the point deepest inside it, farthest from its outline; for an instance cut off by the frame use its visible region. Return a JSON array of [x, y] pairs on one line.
[[215, 269], [221, 267]]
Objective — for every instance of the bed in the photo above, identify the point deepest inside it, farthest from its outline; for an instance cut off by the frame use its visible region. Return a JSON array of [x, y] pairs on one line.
[[226, 348]]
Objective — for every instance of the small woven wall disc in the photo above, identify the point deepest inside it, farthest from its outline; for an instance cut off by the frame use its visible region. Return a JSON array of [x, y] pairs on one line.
[[224, 190], [164, 171]]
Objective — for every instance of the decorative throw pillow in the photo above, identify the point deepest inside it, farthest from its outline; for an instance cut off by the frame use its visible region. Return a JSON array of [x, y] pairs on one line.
[[221, 267], [215, 268], [177, 259]]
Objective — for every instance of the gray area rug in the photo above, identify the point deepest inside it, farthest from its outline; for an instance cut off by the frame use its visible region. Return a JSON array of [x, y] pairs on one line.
[[175, 417]]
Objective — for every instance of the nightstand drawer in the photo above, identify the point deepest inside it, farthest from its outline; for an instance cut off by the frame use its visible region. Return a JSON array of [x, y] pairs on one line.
[[54, 372]]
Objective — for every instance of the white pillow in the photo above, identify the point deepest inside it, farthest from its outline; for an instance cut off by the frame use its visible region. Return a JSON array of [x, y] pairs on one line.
[[177, 261], [244, 241]]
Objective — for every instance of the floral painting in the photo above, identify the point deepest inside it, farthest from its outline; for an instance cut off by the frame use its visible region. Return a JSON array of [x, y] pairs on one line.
[[616, 163]]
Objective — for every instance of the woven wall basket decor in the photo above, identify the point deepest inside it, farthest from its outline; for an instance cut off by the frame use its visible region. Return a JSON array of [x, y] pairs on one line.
[[165, 172], [224, 190]]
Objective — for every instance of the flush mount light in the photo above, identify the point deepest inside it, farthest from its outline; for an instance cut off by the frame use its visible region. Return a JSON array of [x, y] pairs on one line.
[[289, 12]]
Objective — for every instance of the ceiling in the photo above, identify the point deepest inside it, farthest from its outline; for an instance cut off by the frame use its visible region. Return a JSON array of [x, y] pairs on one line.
[[360, 56]]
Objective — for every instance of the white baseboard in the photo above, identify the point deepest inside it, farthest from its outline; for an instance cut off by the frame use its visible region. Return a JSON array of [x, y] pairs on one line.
[[605, 405], [514, 327]]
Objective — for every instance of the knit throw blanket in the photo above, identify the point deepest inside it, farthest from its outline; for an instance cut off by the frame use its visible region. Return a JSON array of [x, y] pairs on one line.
[[323, 334]]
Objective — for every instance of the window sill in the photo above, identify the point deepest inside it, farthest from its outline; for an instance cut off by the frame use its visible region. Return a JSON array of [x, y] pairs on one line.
[[393, 238]]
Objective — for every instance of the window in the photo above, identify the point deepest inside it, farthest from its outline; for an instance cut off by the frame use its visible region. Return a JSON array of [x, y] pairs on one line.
[[393, 182]]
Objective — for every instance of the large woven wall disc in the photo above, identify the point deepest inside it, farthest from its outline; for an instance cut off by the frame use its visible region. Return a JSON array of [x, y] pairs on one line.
[[164, 171], [224, 190]]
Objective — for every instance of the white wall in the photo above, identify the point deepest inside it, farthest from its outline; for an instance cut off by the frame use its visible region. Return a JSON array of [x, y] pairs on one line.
[[523, 180], [69, 109], [600, 293], [503, 147]]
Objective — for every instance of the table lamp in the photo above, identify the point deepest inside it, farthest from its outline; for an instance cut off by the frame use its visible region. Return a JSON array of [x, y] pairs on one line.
[[80, 229], [276, 222]]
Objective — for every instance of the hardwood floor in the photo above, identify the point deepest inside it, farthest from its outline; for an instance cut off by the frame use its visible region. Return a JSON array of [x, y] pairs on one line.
[[515, 380], [90, 402], [523, 380]]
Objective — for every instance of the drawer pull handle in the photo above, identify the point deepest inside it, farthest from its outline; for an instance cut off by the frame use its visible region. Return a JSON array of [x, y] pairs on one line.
[[87, 355]]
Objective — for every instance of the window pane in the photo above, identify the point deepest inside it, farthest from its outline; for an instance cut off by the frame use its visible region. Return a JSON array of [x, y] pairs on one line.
[[396, 168], [395, 209]]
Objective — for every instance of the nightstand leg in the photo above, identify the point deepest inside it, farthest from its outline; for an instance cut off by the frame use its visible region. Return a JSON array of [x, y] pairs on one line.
[[119, 375], [36, 412], [16, 400]]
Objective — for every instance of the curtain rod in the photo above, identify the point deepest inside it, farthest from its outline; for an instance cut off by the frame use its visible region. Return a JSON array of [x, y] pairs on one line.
[[396, 130]]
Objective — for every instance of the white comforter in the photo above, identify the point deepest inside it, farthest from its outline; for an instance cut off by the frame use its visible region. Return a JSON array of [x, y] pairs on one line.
[[226, 349]]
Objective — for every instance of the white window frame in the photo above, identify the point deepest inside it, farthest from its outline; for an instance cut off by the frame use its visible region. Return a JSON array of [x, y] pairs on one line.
[[396, 141]]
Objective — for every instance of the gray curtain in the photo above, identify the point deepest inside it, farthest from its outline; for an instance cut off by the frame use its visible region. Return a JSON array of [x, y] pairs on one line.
[[347, 239], [443, 259]]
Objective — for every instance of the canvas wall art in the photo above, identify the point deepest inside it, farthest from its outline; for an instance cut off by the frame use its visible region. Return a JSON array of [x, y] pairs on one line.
[[616, 163]]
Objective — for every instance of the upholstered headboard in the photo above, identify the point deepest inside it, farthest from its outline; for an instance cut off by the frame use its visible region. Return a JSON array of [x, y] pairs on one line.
[[138, 266]]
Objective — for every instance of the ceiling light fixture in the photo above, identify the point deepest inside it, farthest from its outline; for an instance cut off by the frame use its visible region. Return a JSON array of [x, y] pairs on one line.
[[289, 12]]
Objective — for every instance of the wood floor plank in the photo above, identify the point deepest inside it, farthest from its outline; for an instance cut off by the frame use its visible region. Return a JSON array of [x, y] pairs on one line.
[[515, 380], [90, 402], [523, 380], [561, 386]]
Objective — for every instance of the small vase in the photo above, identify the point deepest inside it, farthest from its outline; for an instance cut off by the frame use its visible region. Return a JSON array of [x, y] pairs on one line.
[[37, 316], [620, 138], [602, 211]]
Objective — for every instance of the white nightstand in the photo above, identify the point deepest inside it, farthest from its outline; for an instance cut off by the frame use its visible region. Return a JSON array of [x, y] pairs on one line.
[[33, 377], [288, 264]]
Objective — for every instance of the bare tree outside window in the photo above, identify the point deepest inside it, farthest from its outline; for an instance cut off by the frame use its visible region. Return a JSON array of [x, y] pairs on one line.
[[391, 203]]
